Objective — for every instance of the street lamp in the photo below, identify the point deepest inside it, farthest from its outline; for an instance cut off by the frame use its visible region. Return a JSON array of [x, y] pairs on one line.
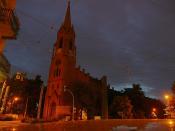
[[154, 110], [73, 101], [166, 97], [13, 102], [154, 113], [16, 98], [26, 106], [168, 110]]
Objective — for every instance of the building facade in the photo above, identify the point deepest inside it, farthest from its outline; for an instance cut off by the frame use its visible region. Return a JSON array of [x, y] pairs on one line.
[[4, 68], [64, 73], [9, 24], [9, 27]]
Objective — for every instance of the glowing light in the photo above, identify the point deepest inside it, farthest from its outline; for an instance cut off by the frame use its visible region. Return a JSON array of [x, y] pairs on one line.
[[171, 123], [166, 97], [154, 110], [16, 98], [13, 129]]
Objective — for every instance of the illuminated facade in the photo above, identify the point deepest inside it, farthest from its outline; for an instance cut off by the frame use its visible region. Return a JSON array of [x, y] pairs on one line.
[[63, 72], [9, 27], [4, 68]]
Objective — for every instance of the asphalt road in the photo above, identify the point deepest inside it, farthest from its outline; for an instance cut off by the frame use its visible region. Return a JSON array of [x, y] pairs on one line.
[[100, 125]]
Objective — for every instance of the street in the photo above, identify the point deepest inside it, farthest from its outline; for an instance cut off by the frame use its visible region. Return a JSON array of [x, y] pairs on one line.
[[100, 125]]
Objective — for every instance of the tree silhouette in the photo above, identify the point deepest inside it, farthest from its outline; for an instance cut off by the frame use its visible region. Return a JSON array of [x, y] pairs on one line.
[[121, 107], [141, 105], [173, 88]]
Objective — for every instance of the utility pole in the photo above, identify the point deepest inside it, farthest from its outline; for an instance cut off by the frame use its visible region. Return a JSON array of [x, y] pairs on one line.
[[40, 102], [25, 112], [73, 100]]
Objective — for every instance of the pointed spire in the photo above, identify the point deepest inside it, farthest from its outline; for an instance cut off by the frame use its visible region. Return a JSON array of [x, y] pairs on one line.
[[67, 19]]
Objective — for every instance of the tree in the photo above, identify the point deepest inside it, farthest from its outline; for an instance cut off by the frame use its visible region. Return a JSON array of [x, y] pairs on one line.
[[24, 88], [86, 98], [137, 97], [32, 94], [173, 88], [151, 103], [17, 85], [142, 106], [121, 107]]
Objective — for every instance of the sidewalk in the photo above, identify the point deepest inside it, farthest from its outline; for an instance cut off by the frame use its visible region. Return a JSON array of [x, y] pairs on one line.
[[11, 124]]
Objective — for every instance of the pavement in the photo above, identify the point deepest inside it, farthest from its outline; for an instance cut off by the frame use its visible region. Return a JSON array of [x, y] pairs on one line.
[[92, 125], [11, 124]]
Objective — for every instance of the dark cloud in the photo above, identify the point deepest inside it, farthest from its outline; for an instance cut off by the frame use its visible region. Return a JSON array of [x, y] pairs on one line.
[[127, 40]]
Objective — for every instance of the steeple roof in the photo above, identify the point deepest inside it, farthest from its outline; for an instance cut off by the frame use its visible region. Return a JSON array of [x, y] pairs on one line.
[[67, 24], [67, 19]]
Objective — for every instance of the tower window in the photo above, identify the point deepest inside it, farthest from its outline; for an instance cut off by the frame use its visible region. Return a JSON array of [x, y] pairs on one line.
[[57, 72], [59, 100], [70, 45], [61, 43], [58, 62]]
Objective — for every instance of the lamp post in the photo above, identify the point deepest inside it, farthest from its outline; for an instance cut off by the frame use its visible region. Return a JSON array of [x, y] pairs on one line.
[[73, 100], [40, 102], [167, 97], [15, 99], [154, 113], [26, 106], [154, 110], [168, 111]]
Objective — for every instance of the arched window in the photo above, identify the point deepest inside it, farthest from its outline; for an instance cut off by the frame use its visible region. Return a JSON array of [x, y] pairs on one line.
[[57, 70], [70, 45], [58, 62], [53, 110], [61, 43]]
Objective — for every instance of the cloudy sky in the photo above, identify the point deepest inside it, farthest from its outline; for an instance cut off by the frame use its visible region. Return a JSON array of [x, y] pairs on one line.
[[130, 41]]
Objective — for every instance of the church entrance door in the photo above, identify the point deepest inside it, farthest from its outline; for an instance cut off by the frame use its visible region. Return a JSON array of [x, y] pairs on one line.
[[53, 110]]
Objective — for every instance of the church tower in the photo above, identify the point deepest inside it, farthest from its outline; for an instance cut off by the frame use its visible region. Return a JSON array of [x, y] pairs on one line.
[[63, 72], [62, 66]]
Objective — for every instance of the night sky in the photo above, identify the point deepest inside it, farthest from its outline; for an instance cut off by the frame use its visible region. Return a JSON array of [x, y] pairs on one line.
[[129, 41]]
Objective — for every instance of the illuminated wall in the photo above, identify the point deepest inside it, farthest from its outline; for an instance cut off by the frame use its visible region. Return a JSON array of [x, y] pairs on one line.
[[9, 27], [4, 68], [9, 23]]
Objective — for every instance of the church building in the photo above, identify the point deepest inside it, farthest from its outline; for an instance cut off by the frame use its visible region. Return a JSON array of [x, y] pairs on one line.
[[90, 94]]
